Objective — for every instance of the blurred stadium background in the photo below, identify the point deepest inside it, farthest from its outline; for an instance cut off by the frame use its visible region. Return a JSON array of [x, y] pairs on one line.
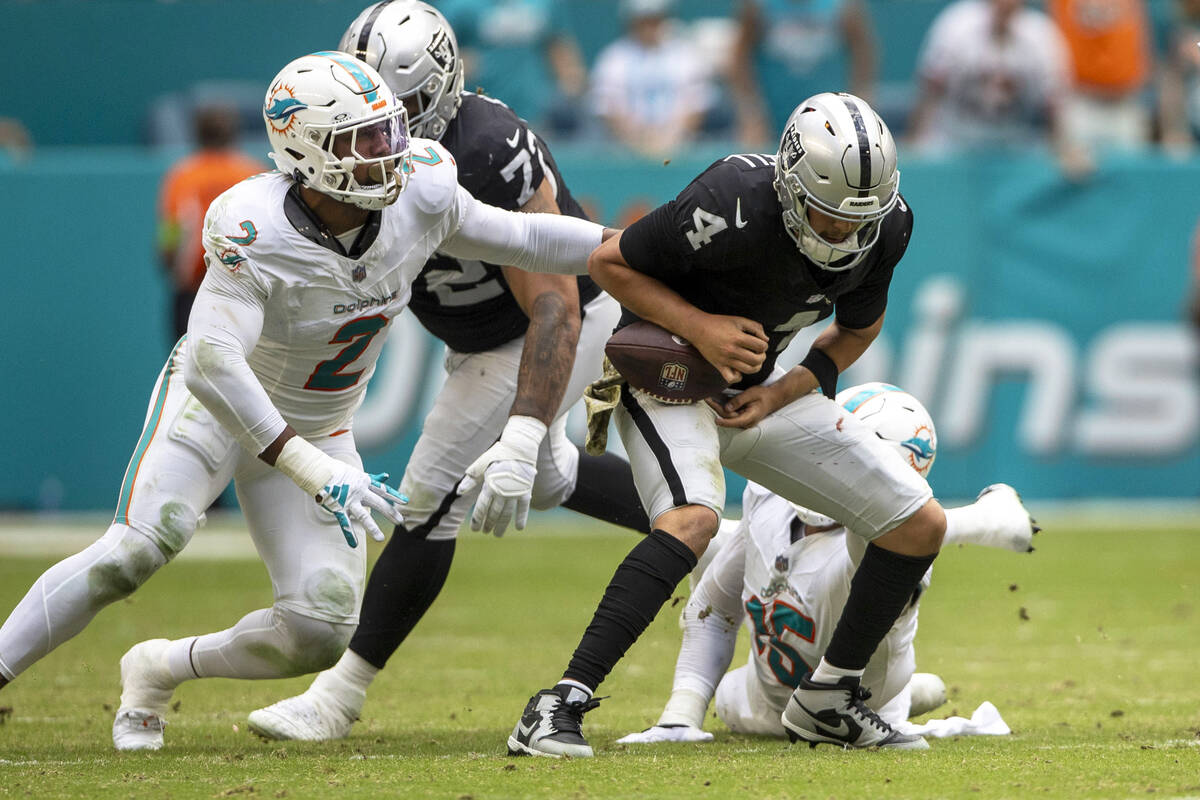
[[1041, 320]]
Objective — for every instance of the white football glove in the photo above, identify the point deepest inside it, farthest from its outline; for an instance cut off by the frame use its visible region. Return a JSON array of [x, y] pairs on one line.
[[505, 475], [667, 733], [343, 490]]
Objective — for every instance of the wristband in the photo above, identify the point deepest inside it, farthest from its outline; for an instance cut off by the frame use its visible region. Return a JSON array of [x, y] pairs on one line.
[[524, 433], [821, 365], [306, 464], [685, 707]]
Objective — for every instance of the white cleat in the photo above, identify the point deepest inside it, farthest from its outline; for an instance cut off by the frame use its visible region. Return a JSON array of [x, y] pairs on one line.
[[927, 692], [136, 729], [301, 718], [146, 689], [1009, 525]]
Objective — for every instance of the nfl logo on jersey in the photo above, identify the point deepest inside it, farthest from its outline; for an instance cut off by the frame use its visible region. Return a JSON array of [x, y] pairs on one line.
[[673, 376], [359, 272]]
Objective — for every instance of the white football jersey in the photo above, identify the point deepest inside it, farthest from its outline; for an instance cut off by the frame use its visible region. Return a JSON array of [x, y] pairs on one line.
[[793, 594], [325, 315]]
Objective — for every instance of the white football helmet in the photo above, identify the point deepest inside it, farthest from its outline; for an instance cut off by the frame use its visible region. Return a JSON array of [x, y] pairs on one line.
[[896, 417], [837, 156], [413, 47], [327, 115]]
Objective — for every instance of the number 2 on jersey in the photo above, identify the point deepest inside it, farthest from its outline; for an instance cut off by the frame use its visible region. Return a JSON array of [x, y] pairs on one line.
[[357, 335]]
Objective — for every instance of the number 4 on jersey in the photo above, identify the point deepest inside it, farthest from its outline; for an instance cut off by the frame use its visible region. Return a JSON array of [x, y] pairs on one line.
[[707, 224]]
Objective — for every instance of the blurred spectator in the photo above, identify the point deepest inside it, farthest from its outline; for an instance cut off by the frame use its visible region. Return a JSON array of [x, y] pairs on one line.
[[523, 51], [790, 49], [1179, 92], [1108, 42], [993, 74], [649, 86], [15, 139], [186, 192]]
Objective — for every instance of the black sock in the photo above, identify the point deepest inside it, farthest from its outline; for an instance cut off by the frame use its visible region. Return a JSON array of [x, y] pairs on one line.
[[879, 591], [604, 490], [639, 587], [403, 585]]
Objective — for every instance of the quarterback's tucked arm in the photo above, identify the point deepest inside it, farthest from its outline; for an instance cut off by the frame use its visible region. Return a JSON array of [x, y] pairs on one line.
[[840, 344], [734, 345], [508, 469]]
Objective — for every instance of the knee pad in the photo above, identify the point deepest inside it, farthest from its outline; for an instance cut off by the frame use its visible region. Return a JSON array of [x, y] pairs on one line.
[[125, 559], [310, 644]]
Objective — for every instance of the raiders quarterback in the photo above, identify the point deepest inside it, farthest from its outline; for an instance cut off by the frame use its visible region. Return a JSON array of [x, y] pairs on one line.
[[751, 251]]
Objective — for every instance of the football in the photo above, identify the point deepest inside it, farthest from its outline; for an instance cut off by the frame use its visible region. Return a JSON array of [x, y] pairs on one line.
[[665, 366], [896, 417]]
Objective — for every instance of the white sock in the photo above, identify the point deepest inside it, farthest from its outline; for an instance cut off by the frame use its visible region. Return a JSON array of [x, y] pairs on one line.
[[179, 660], [963, 524], [345, 684], [578, 694], [827, 673]]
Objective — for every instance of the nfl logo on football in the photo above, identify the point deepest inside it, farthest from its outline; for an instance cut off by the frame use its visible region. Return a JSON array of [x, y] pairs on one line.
[[673, 376]]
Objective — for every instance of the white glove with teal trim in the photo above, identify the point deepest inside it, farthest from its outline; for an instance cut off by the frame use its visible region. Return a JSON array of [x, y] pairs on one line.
[[345, 491], [351, 494], [505, 475]]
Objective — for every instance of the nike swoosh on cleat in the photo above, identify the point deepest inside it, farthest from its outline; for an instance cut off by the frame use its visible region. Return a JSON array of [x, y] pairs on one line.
[[842, 731], [525, 730]]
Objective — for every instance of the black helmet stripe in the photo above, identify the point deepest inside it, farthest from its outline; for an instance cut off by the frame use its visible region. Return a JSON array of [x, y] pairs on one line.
[[364, 36], [864, 148]]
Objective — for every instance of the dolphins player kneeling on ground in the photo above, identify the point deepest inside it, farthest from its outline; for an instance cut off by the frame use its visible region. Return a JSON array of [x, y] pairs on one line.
[[785, 572]]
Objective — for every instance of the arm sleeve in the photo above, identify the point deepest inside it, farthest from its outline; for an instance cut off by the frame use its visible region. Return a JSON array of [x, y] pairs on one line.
[[533, 242], [224, 327], [710, 624]]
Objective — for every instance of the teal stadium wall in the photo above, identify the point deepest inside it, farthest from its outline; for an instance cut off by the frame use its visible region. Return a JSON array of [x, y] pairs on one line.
[[1039, 320]]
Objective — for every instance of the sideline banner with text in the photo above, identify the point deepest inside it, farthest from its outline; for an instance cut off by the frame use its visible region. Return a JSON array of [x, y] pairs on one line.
[[1040, 321]]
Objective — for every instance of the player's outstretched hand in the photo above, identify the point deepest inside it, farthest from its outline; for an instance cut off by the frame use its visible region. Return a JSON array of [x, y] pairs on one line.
[[667, 733], [504, 475], [351, 494], [734, 345]]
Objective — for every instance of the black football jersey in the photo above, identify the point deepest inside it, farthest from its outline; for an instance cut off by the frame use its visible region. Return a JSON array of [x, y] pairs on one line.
[[721, 244], [467, 304]]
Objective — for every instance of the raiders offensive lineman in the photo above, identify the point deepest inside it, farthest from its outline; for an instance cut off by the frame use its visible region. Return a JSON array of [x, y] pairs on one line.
[[306, 269], [490, 317], [754, 249], [785, 572]]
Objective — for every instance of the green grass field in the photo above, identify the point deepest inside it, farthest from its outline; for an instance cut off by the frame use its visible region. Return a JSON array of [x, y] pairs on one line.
[[1089, 648]]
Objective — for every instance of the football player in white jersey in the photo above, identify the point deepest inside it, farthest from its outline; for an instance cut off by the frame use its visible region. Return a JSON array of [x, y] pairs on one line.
[[306, 269], [518, 352], [785, 572]]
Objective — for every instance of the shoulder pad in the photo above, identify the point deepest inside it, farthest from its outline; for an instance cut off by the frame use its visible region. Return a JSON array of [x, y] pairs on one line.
[[236, 221], [434, 178]]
